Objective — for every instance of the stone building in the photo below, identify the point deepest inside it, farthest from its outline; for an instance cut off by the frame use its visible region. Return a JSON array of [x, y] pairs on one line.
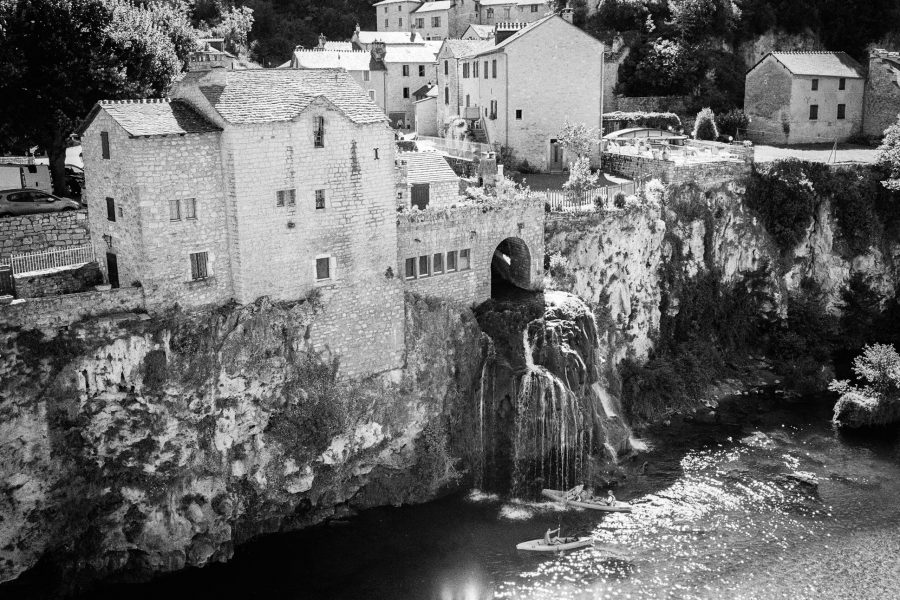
[[426, 180], [804, 97], [276, 182], [366, 68], [363, 40], [478, 32], [527, 85], [395, 15], [451, 101], [410, 67], [882, 96], [211, 54], [433, 19], [491, 12]]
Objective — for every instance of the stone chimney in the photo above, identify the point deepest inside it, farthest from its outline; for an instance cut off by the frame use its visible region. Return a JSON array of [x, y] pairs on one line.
[[379, 49], [412, 36], [322, 40], [568, 13]]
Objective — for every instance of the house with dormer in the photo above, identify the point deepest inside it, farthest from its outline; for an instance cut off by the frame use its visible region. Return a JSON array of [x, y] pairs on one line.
[[250, 183]]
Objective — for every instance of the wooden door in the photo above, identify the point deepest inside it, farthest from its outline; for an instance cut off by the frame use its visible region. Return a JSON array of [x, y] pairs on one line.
[[112, 269], [556, 152], [7, 281], [420, 195]]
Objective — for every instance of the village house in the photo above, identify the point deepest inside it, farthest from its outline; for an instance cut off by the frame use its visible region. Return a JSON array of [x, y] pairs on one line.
[[491, 12], [410, 68], [425, 179], [804, 97], [395, 15], [451, 102], [367, 69], [882, 95], [478, 32], [249, 183], [426, 113], [363, 40], [210, 54], [526, 86]]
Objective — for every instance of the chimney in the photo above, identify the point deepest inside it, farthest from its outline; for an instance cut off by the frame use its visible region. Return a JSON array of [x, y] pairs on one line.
[[568, 13], [357, 29], [379, 49], [412, 36], [322, 40]]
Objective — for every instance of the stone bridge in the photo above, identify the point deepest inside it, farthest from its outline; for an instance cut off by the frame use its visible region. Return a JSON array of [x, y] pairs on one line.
[[451, 253]]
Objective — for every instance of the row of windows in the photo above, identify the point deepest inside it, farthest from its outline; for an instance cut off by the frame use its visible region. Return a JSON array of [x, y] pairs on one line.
[[200, 266], [405, 70], [842, 84], [289, 198], [189, 206], [430, 265], [506, 11], [814, 112], [420, 22], [473, 70]]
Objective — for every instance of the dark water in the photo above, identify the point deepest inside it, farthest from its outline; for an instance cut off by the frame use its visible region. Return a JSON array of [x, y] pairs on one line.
[[714, 517]]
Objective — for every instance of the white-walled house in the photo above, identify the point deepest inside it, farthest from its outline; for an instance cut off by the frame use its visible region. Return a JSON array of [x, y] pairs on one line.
[[804, 97], [395, 15], [268, 182], [527, 85], [491, 12], [366, 68], [410, 67]]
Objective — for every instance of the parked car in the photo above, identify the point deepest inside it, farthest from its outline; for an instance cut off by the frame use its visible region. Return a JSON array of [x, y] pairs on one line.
[[29, 201]]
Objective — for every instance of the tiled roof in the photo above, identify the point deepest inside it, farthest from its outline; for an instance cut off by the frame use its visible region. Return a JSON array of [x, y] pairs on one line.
[[156, 117], [328, 59], [522, 32], [388, 37], [339, 46], [427, 167], [497, 2], [482, 31], [434, 6], [270, 95], [410, 53], [464, 48], [393, 2], [824, 64]]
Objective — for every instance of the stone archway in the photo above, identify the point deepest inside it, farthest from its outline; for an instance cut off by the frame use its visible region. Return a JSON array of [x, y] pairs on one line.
[[510, 266]]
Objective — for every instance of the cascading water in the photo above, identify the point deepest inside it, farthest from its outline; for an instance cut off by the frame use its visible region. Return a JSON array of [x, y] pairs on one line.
[[545, 417]]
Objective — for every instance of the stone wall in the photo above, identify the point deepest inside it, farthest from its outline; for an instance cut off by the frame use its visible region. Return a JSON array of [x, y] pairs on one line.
[[882, 96], [47, 231], [72, 280], [636, 167], [52, 312], [480, 230]]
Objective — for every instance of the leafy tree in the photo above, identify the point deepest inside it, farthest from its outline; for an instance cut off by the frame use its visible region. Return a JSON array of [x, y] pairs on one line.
[[879, 365], [783, 195], [696, 19], [705, 126], [661, 68], [581, 178], [888, 157], [59, 57], [234, 26], [732, 122], [577, 139]]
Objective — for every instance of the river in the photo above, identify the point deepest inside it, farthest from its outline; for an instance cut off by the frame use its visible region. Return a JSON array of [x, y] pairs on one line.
[[716, 515]]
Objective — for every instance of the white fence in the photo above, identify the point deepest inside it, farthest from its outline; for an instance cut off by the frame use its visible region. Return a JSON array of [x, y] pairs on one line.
[[51, 259], [560, 200]]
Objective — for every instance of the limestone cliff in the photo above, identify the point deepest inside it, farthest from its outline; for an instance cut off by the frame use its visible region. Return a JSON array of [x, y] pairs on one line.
[[148, 445]]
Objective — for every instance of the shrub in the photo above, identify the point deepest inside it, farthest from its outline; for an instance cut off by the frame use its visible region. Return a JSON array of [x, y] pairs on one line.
[[619, 200], [656, 120], [783, 195], [888, 157], [705, 126], [732, 122]]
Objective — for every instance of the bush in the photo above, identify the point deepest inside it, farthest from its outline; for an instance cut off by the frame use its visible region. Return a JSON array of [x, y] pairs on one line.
[[656, 120], [620, 200], [705, 126], [783, 195], [732, 123]]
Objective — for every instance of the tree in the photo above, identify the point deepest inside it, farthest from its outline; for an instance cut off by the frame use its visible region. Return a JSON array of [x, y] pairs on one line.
[[661, 68], [733, 122], [705, 126], [234, 26], [888, 156], [695, 19], [59, 57], [578, 140]]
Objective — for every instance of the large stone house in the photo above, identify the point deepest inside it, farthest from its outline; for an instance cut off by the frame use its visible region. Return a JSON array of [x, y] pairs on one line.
[[804, 97], [451, 101], [433, 19], [882, 95], [526, 86], [276, 182]]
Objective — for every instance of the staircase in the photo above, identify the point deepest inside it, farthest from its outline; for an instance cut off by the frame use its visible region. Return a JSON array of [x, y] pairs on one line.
[[479, 134]]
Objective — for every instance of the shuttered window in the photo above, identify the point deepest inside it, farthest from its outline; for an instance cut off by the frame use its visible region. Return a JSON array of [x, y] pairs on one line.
[[286, 198], [451, 261], [175, 209], [437, 264], [424, 266], [190, 208], [198, 266]]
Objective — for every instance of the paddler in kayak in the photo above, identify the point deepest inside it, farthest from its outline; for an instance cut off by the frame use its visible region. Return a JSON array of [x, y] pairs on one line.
[[550, 541], [610, 499]]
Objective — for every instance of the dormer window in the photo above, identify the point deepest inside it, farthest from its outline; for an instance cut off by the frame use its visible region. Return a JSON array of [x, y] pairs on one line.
[[319, 132]]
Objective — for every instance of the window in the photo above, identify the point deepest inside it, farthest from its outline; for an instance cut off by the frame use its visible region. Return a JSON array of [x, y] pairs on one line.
[[198, 266], [372, 95], [815, 84], [190, 209], [842, 84], [406, 92], [386, 21], [446, 67], [494, 68], [424, 266], [286, 198], [475, 68], [410, 268], [399, 8], [405, 70], [110, 209], [842, 111], [175, 210], [518, 114], [506, 13], [421, 70], [400, 21], [467, 101], [376, 154], [813, 112], [465, 70], [490, 13], [104, 143], [446, 95], [367, 75], [320, 199], [320, 132], [534, 8], [420, 23], [451, 261], [323, 268], [435, 21], [437, 263], [464, 259], [485, 69]]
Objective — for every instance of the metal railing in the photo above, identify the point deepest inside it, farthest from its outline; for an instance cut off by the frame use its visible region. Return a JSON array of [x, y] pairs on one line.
[[560, 200], [51, 259]]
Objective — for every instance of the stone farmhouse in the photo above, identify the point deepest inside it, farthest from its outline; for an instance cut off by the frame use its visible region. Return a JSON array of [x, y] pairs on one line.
[[363, 40], [882, 95], [525, 86], [804, 97]]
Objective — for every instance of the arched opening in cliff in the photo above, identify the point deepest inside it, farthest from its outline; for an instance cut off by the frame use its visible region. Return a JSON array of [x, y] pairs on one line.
[[510, 268]]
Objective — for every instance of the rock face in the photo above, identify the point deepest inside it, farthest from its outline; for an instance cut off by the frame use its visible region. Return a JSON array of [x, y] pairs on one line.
[[151, 445]]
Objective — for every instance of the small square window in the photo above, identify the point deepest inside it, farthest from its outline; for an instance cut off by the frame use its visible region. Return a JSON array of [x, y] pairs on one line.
[[437, 263], [286, 198], [198, 266], [424, 266], [451, 261], [842, 111], [110, 209], [320, 199], [464, 259], [813, 112], [410, 268], [120, 212], [518, 114], [406, 92], [323, 268], [190, 209], [175, 209], [842, 84], [815, 84]]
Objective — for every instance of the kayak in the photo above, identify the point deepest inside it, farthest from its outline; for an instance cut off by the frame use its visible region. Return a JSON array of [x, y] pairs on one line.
[[570, 543], [561, 496]]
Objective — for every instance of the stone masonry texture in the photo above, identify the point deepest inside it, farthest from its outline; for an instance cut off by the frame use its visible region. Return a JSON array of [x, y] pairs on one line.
[[46, 231]]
